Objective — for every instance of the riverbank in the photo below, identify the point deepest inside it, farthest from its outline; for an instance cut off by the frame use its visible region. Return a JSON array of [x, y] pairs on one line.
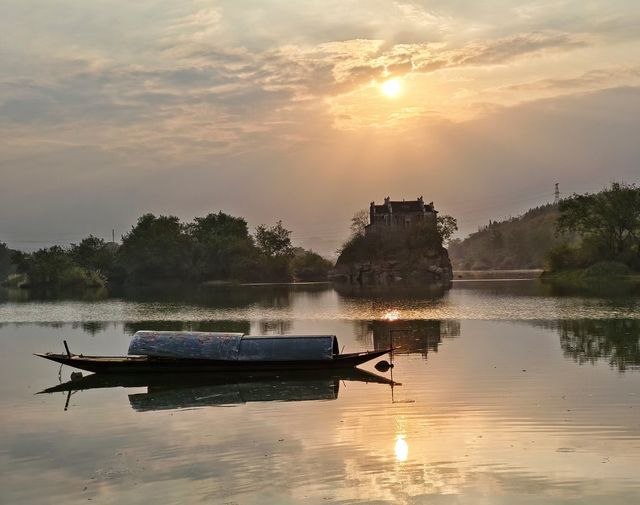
[[497, 274], [609, 271]]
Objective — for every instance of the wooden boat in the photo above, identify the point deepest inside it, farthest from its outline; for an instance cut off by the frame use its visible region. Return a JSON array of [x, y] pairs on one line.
[[125, 364], [219, 352]]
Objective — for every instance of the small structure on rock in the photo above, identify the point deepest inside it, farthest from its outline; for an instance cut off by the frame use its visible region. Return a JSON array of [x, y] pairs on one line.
[[393, 215]]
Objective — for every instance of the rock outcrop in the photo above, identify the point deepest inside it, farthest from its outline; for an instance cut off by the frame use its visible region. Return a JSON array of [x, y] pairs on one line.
[[426, 266]]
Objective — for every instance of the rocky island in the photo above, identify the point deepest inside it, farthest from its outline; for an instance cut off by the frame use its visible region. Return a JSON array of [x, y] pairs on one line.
[[397, 242]]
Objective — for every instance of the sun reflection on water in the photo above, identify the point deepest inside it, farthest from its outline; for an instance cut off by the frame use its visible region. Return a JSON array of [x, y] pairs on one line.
[[401, 448]]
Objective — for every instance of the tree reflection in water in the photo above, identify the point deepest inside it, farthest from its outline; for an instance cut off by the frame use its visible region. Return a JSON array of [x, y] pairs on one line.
[[592, 340], [225, 326]]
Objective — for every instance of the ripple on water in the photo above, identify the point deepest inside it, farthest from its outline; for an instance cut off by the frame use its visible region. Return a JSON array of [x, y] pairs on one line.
[[459, 303]]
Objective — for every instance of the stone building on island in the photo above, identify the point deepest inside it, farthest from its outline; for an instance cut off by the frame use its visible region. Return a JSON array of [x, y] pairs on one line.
[[394, 215], [401, 243]]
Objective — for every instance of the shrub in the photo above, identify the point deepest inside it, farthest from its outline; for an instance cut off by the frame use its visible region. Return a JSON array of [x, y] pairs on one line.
[[310, 266], [563, 257], [607, 269], [78, 277]]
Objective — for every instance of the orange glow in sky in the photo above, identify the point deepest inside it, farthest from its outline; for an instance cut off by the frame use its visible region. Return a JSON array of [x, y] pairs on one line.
[[391, 87]]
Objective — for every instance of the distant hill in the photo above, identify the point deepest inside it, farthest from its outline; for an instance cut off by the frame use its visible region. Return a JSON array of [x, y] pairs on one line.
[[521, 242]]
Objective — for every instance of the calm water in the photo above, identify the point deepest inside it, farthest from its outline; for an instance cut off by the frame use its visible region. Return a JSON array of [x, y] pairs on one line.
[[511, 392]]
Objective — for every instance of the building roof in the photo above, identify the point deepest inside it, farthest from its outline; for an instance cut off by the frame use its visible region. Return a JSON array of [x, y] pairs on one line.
[[396, 207]]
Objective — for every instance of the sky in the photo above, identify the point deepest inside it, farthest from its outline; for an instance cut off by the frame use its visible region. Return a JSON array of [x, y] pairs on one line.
[[307, 111]]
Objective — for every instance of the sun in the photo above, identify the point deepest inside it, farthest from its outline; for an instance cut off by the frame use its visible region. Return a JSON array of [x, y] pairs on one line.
[[391, 87]]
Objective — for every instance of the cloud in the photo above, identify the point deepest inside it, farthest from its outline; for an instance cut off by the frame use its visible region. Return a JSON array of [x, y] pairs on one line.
[[594, 79]]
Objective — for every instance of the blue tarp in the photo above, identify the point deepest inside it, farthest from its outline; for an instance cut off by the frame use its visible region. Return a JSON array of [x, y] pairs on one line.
[[233, 346]]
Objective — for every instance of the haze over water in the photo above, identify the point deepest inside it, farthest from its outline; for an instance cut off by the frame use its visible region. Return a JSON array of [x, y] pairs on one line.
[[511, 392]]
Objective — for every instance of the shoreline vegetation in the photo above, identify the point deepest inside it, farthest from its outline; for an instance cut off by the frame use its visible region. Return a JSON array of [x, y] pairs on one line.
[[601, 271], [523, 274], [584, 239], [210, 250]]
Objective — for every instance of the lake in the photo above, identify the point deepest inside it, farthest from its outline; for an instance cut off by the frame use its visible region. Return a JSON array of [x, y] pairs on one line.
[[504, 392]]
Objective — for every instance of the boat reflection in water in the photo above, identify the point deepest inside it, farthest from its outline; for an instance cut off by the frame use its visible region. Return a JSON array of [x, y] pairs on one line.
[[179, 391]]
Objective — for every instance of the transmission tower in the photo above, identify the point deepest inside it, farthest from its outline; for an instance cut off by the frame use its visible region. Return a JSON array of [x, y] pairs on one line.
[[557, 194]]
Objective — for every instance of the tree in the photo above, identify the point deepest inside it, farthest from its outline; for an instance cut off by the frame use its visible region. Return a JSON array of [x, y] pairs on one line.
[[55, 267], [274, 241], [94, 253], [218, 225], [359, 223], [47, 266], [423, 236], [608, 221], [447, 226], [6, 265], [20, 261], [310, 266], [276, 251], [156, 248], [221, 246]]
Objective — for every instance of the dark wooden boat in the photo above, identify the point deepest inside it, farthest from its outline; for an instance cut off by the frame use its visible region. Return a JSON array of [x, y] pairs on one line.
[[135, 364], [151, 351]]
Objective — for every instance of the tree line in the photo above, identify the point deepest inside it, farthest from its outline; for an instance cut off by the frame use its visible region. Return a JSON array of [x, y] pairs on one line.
[[608, 224], [217, 247], [598, 232]]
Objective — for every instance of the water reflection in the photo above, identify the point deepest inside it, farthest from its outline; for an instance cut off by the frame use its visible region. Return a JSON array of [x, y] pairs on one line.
[[501, 416], [504, 300], [19, 295], [278, 327], [130, 327], [223, 326], [401, 448], [266, 295], [590, 340], [180, 391], [92, 327], [433, 290], [408, 336], [613, 289]]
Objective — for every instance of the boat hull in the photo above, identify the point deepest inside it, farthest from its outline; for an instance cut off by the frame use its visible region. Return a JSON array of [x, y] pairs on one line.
[[142, 364]]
